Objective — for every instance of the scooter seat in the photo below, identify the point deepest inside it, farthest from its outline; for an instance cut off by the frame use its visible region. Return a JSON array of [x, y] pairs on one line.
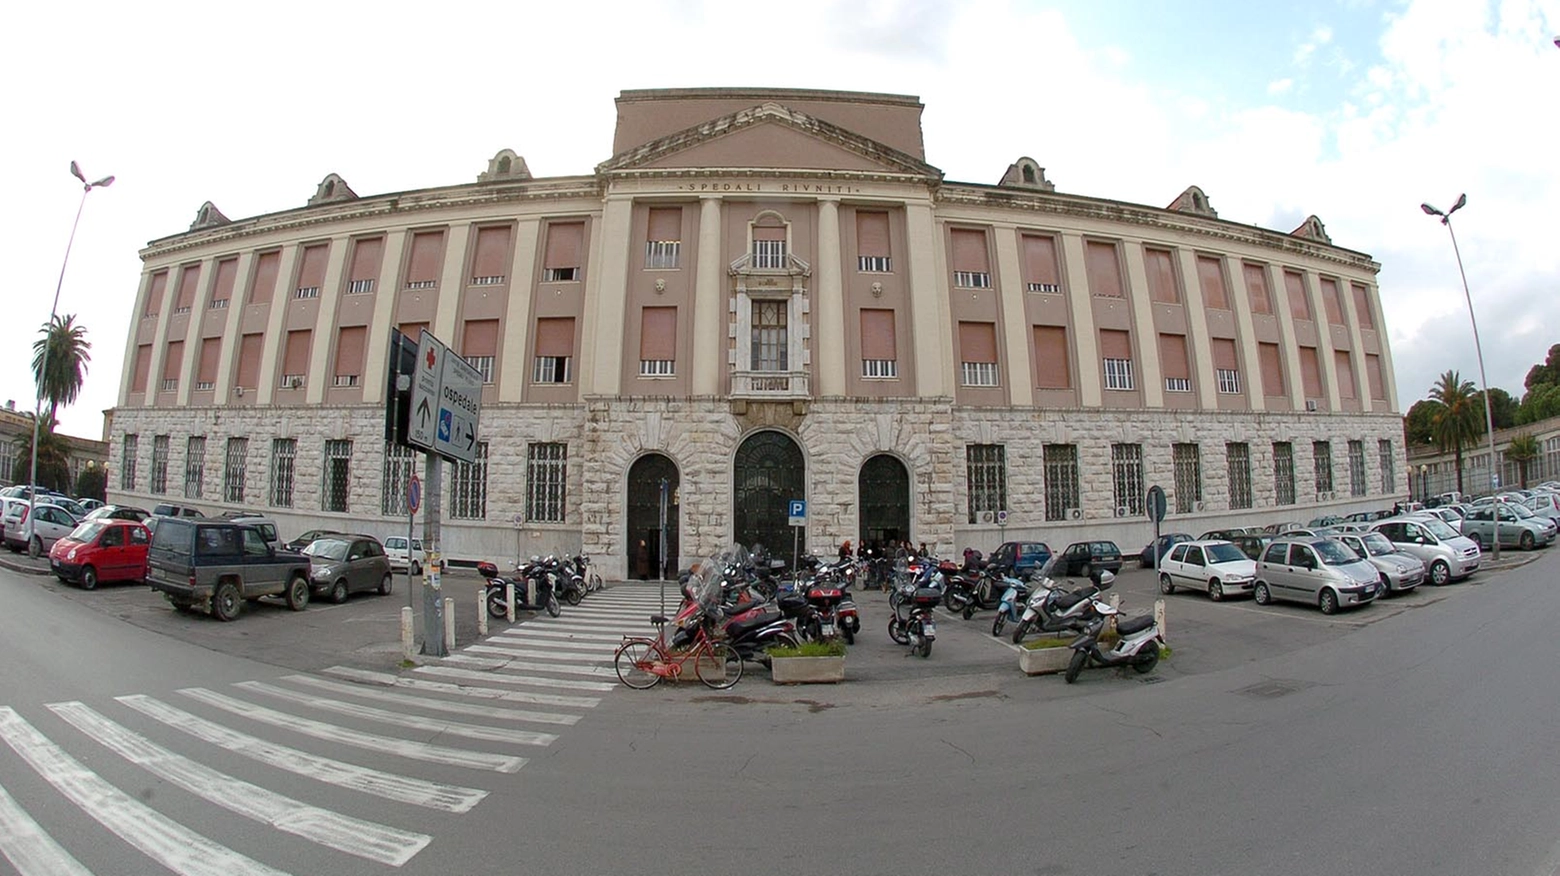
[[1068, 600], [1136, 625], [738, 629]]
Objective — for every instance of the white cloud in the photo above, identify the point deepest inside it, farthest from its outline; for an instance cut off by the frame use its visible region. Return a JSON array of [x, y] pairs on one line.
[[1280, 86]]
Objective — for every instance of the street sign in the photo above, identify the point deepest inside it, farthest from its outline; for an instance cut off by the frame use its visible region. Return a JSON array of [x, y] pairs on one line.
[[1156, 503], [413, 494], [446, 402], [796, 510], [1002, 517]]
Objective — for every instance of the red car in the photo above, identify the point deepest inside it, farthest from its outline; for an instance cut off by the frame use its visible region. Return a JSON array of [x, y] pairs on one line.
[[102, 550]]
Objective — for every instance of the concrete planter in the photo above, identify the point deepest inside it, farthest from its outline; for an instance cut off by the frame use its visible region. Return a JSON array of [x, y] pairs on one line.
[[1044, 660], [807, 670]]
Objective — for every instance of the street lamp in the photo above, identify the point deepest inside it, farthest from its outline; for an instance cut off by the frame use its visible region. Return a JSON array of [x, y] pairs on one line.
[[1478, 349], [43, 370]]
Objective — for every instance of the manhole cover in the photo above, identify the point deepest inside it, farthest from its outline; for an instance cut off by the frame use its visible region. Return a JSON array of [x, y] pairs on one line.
[[1273, 688]]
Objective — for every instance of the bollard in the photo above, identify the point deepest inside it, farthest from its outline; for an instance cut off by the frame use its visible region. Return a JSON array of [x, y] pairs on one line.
[[509, 602], [449, 622], [1159, 617], [482, 612], [1114, 600], [408, 645]]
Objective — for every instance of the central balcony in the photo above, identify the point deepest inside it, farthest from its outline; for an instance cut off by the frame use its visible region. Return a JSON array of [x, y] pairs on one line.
[[773, 385]]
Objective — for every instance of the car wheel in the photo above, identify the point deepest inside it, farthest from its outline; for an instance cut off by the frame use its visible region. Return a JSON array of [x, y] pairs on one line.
[[1215, 590], [1260, 595], [338, 593], [225, 601], [88, 578], [385, 584], [1386, 586], [1165, 586], [1440, 573], [416, 568], [35, 547], [1086, 571], [1526, 542], [297, 593], [1329, 602], [1477, 540]]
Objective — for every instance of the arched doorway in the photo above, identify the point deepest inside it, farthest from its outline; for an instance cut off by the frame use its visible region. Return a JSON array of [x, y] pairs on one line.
[[645, 559], [769, 472], [884, 490]]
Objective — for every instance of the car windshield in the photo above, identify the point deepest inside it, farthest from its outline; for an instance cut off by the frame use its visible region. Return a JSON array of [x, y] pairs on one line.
[[1523, 512], [88, 532], [1377, 544], [1335, 553], [1224, 553], [328, 549], [1438, 527]]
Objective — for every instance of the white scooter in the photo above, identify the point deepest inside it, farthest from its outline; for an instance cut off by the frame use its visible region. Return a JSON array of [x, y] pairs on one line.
[[1138, 646], [1051, 609]]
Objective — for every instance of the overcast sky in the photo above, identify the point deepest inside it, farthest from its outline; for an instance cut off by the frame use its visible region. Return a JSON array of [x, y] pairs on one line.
[[1353, 110]]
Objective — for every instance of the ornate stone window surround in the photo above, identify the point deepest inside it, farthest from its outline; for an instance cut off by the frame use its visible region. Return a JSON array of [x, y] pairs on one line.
[[753, 284]]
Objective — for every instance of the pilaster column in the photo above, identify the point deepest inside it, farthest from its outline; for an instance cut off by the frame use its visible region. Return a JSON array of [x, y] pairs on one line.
[[452, 283], [1089, 367], [606, 299], [275, 340], [931, 315], [191, 364], [227, 362], [828, 325], [1014, 320], [516, 329], [709, 340], [132, 347], [1361, 374], [1324, 346], [376, 356], [1240, 299], [1152, 370], [322, 369], [1286, 333]]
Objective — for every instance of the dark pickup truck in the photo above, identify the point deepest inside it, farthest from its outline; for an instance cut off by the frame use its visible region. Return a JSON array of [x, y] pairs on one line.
[[216, 565]]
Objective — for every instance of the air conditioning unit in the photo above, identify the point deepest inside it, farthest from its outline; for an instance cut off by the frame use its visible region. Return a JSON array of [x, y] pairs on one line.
[[987, 517], [1310, 405], [1074, 513], [1121, 510]]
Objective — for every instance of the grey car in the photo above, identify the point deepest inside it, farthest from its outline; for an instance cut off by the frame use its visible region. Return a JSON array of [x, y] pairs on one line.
[[343, 564], [1519, 526], [1399, 571], [1322, 572]]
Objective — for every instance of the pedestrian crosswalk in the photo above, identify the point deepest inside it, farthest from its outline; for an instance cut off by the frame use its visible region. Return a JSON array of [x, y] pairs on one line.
[[341, 760]]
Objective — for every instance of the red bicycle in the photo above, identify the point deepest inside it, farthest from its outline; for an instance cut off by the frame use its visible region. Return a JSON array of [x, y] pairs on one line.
[[641, 662]]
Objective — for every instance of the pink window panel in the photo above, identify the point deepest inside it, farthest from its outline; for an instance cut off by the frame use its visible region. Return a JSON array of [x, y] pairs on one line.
[[349, 350], [1210, 276], [492, 255], [143, 368], [1299, 302], [555, 336], [249, 348], [1332, 300], [427, 256], [1272, 369], [769, 232], [1224, 357], [1345, 372], [665, 224], [657, 334], [227, 276], [969, 252], [479, 337], [1362, 310], [1040, 265], [1311, 372], [1172, 357], [1115, 344], [1161, 276], [413, 330], [872, 235], [295, 359], [173, 360], [154, 296], [366, 256], [210, 355], [189, 281], [1378, 386], [1257, 289], [1103, 269], [312, 273], [877, 335], [565, 240], [267, 267], [977, 342], [1053, 364]]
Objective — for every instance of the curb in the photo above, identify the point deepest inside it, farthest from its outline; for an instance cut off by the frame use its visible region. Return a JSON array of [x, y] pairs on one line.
[[24, 568]]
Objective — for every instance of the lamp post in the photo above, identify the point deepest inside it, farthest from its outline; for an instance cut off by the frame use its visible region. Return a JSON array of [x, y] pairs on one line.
[[43, 370], [1478, 349]]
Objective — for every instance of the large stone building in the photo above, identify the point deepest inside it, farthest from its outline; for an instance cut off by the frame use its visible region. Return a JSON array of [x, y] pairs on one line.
[[765, 295]]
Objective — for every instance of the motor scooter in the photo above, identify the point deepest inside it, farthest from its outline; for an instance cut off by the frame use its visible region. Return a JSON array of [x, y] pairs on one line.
[[1050, 609], [1138, 646], [542, 595], [911, 622], [1009, 607]]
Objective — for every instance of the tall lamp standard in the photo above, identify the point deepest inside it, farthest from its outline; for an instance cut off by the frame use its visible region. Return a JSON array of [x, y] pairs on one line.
[[43, 370], [1478, 349]]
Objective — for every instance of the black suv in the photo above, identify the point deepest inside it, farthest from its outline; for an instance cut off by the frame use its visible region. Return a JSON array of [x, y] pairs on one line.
[[1084, 557], [216, 565]]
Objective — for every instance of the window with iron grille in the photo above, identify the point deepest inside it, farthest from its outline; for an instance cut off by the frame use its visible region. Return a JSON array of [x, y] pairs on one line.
[[219, 304], [879, 368], [546, 482], [127, 462], [1228, 380], [194, 466], [972, 279], [468, 487], [769, 254], [662, 254], [1118, 374], [1043, 287], [284, 456], [874, 264], [1356, 468], [1061, 481], [233, 475], [337, 475], [421, 284], [560, 275], [1187, 459], [771, 343], [360, 287], [306, 292], [1321, 452], [8, 451], [1238, 454], [393, 479], [979, 373], [484, 366], [1178, 384], [1388, 476], [986, 465], [1126, 470], [552, 369], [160, 464], [1283, 473], [489, 280]]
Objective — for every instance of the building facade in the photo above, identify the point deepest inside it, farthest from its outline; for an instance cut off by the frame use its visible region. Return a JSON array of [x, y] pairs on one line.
[[16, 430], [764, 295]]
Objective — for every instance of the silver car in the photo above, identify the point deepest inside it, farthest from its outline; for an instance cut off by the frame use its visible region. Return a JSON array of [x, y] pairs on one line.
[[342, 564], [1399, 571], [1444, 550], [1519, 526], [1322, 572]]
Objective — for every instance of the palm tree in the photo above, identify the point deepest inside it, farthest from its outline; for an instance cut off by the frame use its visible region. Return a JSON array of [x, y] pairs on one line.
[[53, 456], [67, 347], [1522, 450], [1455, 423]]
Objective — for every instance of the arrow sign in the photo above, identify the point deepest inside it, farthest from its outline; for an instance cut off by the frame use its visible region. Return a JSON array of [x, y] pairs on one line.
[[447, 399], [422, 412]]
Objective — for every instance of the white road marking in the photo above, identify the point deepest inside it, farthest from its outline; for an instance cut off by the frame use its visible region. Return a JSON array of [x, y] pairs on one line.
[[396, 719], [511, 648], [594, 671], [437, 705], [560, 635], [1294, 616], [410, 749], [587, 625], [157, 836], [608, 614], [402, 789], [510, 678], [29, 847], [365, 676], [363, 839]]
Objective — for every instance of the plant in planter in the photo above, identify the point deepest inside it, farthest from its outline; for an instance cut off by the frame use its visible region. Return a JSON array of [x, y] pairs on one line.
[[808, 663]]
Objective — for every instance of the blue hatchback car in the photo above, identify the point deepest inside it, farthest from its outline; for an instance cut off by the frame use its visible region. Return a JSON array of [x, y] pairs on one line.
[[1022, 556]]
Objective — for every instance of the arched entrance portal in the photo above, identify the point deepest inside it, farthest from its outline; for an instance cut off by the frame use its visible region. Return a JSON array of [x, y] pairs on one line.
[[768, 473], [645, 559], [884, 488]]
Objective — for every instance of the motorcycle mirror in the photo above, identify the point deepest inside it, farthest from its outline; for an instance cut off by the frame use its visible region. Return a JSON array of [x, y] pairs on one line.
[[1105, 579]]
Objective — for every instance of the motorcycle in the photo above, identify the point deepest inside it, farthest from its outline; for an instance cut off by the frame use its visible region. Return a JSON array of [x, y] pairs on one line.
[[833, 613], [579, 567], [1138, 646], [1052, 610], [1014, 595], [958, 586], [541, 595], [911, 622]]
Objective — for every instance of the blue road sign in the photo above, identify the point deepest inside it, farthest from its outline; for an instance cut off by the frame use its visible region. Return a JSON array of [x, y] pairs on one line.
[[796, 509], [446, 420], [413, 494]]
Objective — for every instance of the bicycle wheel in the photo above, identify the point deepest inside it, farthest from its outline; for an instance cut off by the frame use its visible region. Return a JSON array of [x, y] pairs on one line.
[[633, 663], [718, 666]]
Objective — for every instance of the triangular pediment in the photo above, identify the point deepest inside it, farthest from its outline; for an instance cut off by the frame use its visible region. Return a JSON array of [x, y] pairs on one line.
[[769, 136]]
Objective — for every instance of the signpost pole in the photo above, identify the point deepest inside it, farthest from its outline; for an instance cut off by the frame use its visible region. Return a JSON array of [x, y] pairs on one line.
[[433, 607], [662, 552], [413, 500]]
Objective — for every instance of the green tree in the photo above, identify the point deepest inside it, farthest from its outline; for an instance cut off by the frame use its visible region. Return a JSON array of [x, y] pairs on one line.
[[1546, 373], [92, 483], [1419, 423], [1540, 403], [53, 456], [1503, 408], [1522, 450], [1456, 423], [68, 356]]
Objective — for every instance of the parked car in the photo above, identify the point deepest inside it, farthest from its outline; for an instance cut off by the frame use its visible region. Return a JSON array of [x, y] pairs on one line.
[[1227, 534], [1252, 545], [100, 551], [49, 524], [342, 564], [168, 509], [70, 505], [1083, 557], [1325, 520], [1546, 504], [266, 525], [118, 512], [1315, 571], [1217, 567], [1451, 515], [89, 503], [1161, 546], [1276, 528], [1519, 526], [307, 538], [1445, 552], [395, 549], [1399, 571], [216, 565]]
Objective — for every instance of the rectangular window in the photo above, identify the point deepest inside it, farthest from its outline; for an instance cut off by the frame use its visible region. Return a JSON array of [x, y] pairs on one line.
[[1052, 363], [1387, 465], [154, 295], [978, 353], [1257, 288], [1228, 380], [879, 346], [986, 486], [1378, 386], [546, 480], [1116, 348], [394, 476], [1332, 300], [336, 478], [1042, 273], [657, 368], [173, 362], [306, 292], [468, 487], [879, 368], [1356, 468], [227, 277], [284, 455], [1118, 374], [769, 254], [552, 369], [1187, 460], [1238, 455], [484, 366], [1061, 482], [1210, 276], [1162, 287], [479, 346], [267, 270], [1299, 302], [143, 368], [1226, 366], [426, 260], [1311, 373], [663, 254], [658, 342], [554, 350], [160, 464], [249, 347], [206, 369], [1102, 265], [972, 280], [363, 273], [1321, 454], [1173, 361], [872, 241], [311, 271], [490, 259], [1283, 473], [1126, 470], [349, 354], [770, 340], [874, 265], [194, 466], [8, 451], [295, 359], [1272, 370], [127, 454], [1362, 311], [971, 260], [360, 287], [560, 275], [189, 280], [663, 242], [1343, 368], [235, 470]]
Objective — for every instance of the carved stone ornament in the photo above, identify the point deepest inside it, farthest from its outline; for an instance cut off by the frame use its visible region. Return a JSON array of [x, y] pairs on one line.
[[208, 216], [660, 286], [1026, 174], [331, 190], [505, 166], [877, 290], [1312, 229], [1195, 202]]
